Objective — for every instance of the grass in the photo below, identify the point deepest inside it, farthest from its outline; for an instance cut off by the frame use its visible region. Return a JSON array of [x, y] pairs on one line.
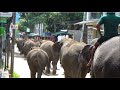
[[15, 75]]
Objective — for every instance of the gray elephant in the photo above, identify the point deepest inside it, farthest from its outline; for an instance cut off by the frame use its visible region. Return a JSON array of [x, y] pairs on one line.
[[65, 43], [60, 46], [106, 62], [55, 50], [84, 58], [27, 46], [20, 43], [69, 59], [37, 59], [50, 48]]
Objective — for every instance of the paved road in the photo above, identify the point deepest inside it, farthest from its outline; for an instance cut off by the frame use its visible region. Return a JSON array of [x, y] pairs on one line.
[[21, 67]]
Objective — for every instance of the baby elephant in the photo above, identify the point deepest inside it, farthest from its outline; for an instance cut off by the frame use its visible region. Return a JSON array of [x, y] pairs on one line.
[[37, 60]]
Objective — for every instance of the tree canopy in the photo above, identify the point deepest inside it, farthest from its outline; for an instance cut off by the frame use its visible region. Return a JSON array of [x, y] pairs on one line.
[[53, 21]]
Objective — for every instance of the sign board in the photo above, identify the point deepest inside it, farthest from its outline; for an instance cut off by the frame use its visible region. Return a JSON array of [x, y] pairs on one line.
[[3, 20], [14, 26], [2, 30], [5, 14], [28, 30]]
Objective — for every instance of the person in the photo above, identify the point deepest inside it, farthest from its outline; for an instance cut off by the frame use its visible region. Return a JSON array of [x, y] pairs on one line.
[[110, 22]]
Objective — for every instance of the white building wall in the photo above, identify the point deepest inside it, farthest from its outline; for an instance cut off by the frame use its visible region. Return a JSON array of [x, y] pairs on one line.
[[38, 29]]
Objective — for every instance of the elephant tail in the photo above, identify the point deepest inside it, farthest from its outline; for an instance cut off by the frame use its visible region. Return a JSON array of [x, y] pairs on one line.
[[40, 66]]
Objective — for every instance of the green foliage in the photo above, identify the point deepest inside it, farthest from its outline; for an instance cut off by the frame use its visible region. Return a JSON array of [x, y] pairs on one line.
[[22, 25], [15, 75], [2, 31], [53, 21]]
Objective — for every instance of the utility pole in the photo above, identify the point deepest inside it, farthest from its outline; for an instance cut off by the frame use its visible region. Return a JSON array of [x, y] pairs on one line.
[[12, 49], [84, 27]]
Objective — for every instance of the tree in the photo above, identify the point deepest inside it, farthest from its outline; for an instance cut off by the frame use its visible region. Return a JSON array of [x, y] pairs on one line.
[[53, 21]]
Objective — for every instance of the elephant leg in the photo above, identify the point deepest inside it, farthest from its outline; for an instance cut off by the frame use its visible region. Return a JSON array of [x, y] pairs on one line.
[[20, 53], [32, 70], [92, 73], [66, 75], [60, 59], [48, 68], [54, 63], [33, 74], [39, 74], [25, 55]]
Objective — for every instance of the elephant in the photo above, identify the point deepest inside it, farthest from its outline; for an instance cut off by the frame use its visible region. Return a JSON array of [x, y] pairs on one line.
[[27, 45], [106, 62], [87, 49], [20, 43], [37, 59], [49, 47], [60, 46], [42, 41], [55, 50], [69, 59], [83, 59]]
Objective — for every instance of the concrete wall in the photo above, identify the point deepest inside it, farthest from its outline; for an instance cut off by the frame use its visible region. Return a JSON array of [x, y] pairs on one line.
[[76, 34]]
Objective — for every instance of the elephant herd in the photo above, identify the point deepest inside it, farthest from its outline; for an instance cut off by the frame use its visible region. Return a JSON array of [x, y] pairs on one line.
[[74, 57]]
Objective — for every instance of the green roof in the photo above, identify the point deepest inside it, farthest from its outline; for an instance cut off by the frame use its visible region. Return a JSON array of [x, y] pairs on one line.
[[61, 33], [32, 34]]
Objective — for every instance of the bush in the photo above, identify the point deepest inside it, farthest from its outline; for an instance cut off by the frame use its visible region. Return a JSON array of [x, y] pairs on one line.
[[15, 75]]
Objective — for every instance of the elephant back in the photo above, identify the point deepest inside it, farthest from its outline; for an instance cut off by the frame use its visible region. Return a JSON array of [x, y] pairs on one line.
[[107, 59], [28, 44]]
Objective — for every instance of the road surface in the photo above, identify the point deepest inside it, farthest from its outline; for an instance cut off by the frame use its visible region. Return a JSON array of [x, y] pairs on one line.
[[22, 69]]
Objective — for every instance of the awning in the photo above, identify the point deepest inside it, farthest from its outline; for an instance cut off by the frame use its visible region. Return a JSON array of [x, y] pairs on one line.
[[61, 33], [89, 22], [33, 34]]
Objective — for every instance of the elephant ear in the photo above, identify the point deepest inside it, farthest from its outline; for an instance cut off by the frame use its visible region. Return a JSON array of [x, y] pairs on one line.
[[86, 52], [57, 46]]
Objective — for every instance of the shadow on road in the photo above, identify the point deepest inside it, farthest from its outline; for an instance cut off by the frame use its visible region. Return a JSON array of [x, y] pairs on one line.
[[50, 74]]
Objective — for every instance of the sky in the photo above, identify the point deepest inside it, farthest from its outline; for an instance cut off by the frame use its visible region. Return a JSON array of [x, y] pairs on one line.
[[17, 17]]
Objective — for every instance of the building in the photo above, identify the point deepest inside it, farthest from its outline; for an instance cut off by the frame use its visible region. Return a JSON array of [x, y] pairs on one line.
[[38, 29]]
